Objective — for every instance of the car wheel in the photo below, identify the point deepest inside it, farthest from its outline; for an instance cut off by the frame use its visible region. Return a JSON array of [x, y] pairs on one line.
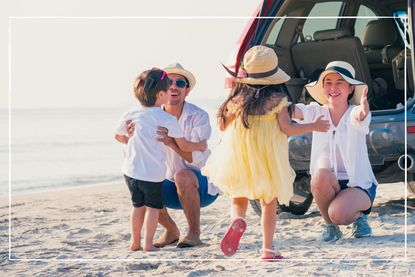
[[256, 206], [299, 203]]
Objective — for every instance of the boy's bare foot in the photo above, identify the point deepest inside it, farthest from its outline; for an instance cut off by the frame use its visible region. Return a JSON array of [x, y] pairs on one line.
[[135, 246], [150, 248], [166, 238]]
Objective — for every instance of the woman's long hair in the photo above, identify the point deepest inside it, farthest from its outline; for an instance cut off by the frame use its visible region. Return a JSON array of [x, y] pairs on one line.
[[253, 100]]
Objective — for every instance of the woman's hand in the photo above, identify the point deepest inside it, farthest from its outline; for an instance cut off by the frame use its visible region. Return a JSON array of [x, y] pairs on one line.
[[364, 106]]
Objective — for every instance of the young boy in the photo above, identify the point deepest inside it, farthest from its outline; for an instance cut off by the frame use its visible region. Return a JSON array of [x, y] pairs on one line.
[[144, 163]]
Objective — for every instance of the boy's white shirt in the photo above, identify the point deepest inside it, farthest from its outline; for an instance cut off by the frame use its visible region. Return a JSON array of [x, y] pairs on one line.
[[349, 137], [145, 156]]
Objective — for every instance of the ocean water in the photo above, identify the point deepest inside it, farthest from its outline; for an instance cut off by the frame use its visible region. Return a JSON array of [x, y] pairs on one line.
[[56, 148]]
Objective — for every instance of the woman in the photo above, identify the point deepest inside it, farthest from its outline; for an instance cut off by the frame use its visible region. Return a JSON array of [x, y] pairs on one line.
[[343, 183]]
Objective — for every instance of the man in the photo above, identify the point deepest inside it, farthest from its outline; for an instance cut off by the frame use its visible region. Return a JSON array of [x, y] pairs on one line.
[[184, 188]]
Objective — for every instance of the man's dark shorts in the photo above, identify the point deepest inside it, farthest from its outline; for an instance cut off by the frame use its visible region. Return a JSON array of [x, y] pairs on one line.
[[171, 199], [370, 192], [145, 193]]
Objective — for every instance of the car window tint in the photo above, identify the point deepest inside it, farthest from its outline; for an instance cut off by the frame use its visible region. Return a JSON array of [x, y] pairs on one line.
[[361, 23], [321, 10], [273, 34]]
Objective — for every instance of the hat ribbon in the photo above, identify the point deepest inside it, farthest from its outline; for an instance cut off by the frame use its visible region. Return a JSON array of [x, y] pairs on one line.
[[263, 74], [341, 70], [233, 74], [253, 75]]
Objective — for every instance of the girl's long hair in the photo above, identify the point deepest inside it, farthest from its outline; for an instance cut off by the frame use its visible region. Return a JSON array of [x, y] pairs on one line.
[[254, 98]]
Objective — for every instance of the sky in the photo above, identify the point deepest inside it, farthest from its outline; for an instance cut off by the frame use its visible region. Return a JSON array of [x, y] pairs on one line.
[[71, 62]]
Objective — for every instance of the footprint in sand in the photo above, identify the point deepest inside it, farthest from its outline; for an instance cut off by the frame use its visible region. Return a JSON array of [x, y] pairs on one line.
[[141, 266], [84, 231], [114, 221], [74, 233], [102, 237], [61, 226]]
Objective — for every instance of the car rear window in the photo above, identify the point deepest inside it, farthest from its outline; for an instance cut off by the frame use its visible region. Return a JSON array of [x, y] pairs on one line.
[[361, 21], [324, 9]]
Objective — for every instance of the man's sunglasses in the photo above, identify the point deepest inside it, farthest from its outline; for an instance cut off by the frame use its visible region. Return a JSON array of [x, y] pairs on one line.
[[179, 83]]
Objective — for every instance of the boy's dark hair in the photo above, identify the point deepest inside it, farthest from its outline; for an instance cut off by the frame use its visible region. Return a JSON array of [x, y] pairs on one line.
[[148, 84], [253, 100]]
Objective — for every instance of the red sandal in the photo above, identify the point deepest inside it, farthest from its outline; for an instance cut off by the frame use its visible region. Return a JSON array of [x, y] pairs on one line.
[[230, 242], [275, 255]]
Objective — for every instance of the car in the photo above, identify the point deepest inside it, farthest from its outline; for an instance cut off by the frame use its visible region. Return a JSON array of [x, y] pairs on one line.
[[376, 37]]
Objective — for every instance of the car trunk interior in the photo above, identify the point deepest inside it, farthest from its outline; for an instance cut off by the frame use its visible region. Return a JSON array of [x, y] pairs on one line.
[[309, 35]]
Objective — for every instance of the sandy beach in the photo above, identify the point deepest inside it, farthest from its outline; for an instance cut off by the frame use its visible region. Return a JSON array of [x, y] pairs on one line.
[[85, 231]]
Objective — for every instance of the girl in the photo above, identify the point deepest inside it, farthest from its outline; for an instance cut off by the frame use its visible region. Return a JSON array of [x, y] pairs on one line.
[[251, 162]]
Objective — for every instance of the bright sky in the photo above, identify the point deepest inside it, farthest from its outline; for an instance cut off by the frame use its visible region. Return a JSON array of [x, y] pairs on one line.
[[92, 62]]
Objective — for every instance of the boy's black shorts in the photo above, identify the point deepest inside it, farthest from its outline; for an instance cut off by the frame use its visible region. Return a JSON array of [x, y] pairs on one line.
[[145, 193]]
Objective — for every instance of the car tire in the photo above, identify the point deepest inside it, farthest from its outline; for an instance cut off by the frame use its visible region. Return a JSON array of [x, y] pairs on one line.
[[301, 201]]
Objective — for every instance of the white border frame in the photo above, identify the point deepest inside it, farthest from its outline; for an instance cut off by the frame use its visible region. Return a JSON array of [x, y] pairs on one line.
[[11, 18]]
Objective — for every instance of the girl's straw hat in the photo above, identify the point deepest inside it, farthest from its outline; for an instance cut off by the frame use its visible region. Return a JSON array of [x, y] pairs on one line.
[[260, 67], [347, 72]]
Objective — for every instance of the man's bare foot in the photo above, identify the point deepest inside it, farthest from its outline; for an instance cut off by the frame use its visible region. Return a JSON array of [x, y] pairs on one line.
[[150, 248], [189, 240], [166, 238], [135, 246]]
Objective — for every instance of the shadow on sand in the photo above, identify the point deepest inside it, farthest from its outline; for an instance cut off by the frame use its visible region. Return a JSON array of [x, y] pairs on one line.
[[393, 207]]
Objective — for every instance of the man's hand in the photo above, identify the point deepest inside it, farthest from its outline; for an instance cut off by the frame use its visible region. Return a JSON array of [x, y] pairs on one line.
[[130, 127], [163, 137], [321, 125], [203, 145]]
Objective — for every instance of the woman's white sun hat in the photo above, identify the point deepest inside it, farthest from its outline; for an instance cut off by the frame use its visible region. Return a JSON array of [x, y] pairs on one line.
[[177, 68], [347, 72]]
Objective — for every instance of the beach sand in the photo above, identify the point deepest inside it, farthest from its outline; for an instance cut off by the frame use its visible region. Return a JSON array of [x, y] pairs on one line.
[[85, 231]]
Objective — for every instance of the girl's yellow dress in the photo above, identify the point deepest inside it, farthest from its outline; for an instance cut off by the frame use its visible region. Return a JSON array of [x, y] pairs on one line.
[[253, 162]]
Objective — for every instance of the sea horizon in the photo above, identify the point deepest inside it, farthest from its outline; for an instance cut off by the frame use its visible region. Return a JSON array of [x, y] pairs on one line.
[[53, 148]]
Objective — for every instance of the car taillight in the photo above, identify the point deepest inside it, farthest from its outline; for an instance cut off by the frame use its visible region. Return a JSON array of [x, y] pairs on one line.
[[233, 58], [410, 129]]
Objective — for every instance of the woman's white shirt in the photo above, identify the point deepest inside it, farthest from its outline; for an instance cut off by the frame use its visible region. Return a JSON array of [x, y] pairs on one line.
[[349, 137]]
